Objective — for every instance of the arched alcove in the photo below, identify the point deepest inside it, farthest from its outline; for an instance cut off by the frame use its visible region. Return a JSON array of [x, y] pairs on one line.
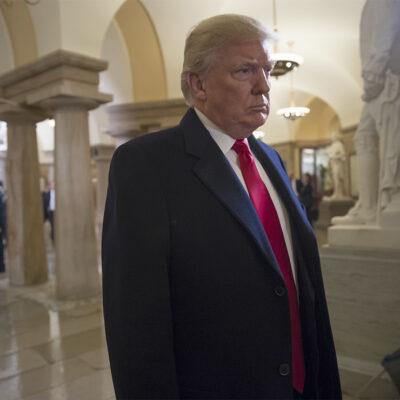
[[146, 59], [7, 57], [319, 125], [21, 32]]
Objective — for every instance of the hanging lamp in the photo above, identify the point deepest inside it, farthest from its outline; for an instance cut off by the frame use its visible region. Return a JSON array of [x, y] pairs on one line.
[[284, 62], [292, 112]]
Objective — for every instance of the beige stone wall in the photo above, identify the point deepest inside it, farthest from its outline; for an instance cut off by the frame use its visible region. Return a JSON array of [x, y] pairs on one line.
[[287, 152], [319, 125], [147, 63], [21, 32]]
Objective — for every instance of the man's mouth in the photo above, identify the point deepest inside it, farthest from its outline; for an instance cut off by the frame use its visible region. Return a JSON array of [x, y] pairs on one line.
[[260, 107]]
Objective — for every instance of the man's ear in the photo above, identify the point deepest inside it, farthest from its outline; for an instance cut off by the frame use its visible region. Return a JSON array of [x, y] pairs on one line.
[[195, 83]]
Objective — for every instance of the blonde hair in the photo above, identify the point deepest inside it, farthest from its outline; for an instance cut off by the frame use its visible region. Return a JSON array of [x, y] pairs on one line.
[[206, 38]]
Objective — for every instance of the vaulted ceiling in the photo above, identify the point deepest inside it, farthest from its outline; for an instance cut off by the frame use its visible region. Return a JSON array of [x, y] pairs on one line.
[[149, 36]]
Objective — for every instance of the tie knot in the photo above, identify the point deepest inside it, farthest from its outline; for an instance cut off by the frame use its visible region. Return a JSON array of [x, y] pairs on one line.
[[241, 147]]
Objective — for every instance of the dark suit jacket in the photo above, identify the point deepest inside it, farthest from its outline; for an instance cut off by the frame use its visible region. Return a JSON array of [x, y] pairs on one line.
[[46, 203], [195, 305]]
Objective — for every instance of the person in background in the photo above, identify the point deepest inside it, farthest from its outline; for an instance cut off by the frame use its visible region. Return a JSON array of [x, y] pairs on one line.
[[3, 226], [52, 208], [306, 194], [46, 201]]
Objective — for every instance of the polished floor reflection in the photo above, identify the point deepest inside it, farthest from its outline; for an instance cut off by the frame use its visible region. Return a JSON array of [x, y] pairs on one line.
[[51, 350], [47, 354]]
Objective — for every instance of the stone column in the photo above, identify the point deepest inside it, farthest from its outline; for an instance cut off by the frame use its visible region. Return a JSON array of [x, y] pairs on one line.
[[26, 249], [102, 154], [76, 262], [66, 84], [131, 120]]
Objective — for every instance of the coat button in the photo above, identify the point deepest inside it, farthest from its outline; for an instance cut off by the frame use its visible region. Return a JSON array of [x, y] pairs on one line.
[[284, 369], [280, 291]]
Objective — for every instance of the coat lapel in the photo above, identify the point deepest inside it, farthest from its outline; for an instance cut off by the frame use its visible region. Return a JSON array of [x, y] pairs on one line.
[[214, 170], [273, 165]]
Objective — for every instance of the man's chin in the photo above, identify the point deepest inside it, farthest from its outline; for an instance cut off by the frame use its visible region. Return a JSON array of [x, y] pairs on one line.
[[259, 120]]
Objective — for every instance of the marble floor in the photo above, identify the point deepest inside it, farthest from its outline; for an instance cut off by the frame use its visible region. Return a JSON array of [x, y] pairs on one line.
[[49, 353]]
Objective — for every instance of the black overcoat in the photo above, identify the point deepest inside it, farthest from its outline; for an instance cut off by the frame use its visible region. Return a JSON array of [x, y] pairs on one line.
[[195, 305]]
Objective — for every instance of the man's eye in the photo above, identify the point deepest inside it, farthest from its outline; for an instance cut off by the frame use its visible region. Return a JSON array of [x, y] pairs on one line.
[[243, 73], [268, 70]]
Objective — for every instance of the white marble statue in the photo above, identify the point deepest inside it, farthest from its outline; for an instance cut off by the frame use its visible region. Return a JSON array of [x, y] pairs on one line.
[[378, 132], [338, 159]]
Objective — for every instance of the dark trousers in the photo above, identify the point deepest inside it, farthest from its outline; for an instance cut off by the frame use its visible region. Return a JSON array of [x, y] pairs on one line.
[[2, 265], [51, 219]]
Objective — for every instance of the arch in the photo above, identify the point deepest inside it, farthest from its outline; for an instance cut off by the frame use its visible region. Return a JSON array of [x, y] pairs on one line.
[[47, 24], [21, 32], [319, 125], [7, 57], [142, 42]]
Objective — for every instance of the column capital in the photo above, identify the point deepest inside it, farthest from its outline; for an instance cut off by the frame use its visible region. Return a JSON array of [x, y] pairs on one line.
[[61, 102], [102, 152], [130, 120], [55, 80], [11, 112]]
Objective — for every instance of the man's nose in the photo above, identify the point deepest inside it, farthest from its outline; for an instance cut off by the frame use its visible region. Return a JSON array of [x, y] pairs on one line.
[[262, 84]]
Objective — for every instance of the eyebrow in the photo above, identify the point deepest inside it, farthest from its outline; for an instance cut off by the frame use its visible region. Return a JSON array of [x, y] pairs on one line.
[[270, 64]]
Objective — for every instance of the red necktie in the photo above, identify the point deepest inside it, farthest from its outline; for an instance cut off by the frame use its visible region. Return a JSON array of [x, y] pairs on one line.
[[269, 218]]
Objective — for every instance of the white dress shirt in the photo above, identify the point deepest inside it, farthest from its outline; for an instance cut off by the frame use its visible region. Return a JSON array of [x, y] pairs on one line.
[[225, 143], [52, 203]]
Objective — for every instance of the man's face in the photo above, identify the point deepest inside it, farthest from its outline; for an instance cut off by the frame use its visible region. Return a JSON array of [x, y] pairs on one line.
[[235, 90]]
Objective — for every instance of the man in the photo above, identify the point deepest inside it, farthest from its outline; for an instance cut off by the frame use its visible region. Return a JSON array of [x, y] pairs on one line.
[[46, 201], [3, 226], [52, 209], [198, 301]]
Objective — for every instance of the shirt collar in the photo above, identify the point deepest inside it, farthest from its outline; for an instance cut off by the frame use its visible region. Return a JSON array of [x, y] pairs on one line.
[[223, 140]]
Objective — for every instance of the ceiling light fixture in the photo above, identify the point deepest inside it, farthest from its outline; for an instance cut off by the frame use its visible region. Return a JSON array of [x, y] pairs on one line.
[[284, 62], [292, 113]]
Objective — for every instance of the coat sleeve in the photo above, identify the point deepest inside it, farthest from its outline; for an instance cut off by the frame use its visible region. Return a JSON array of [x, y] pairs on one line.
[[136, 298]]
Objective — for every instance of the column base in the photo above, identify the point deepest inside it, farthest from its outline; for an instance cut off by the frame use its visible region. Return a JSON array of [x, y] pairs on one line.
[[365, 380], [45, 295], [364, 237]]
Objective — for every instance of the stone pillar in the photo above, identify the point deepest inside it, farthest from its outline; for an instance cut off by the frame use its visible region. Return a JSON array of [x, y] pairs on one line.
[[66, 84], [76, 261], [102, 154], [131, 120], [26, 249]]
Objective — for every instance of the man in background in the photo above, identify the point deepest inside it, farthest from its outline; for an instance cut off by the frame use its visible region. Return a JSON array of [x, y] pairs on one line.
[[52, 208]]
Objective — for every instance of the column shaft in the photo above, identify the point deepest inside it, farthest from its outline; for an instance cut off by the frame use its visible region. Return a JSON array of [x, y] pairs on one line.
[[26, 248], [75, 241]]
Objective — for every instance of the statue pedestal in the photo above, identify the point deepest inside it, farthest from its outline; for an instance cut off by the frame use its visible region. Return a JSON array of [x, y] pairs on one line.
[[362, 288], [332, 208], [361, 268], [370, 237]]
